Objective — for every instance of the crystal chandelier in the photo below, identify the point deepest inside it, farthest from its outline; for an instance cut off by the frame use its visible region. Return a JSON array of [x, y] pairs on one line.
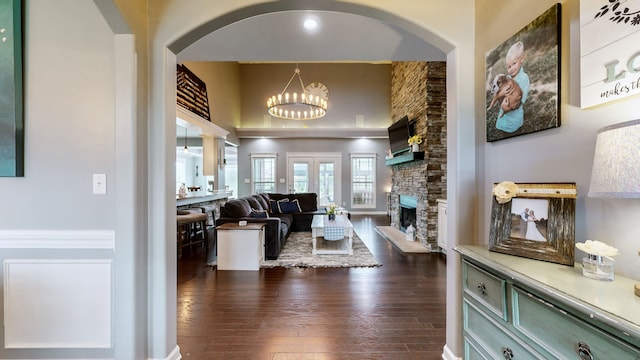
[[309, 104]]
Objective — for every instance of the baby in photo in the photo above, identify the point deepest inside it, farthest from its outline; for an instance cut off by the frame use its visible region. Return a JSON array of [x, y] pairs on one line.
[[512, 120]]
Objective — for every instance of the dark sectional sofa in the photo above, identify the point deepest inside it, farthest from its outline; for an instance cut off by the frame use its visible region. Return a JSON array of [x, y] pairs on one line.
[[281, 214]]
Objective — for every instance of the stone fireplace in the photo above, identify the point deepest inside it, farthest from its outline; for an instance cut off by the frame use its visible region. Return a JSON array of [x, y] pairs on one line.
[[418, 90]]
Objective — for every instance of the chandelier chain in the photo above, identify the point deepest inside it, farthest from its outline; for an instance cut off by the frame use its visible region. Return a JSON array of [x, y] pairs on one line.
[[295, 72]]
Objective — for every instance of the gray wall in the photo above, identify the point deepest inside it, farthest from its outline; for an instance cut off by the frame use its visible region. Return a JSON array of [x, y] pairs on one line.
[[69, 122], [223, 92], [344, 146], [563, 154], [50, 218], [354, 90]]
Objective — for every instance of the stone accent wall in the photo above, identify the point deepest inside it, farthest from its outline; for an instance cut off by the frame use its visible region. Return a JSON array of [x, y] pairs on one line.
[[418, 90]]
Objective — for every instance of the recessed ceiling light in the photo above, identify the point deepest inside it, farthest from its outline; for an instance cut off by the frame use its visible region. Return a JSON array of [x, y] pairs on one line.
[[310, 24]]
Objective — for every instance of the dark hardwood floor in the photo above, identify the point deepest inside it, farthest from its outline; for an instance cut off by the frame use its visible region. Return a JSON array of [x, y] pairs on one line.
[[396, 311]]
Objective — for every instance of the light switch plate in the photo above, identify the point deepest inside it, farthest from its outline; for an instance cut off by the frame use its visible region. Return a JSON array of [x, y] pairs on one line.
[[99, 184], [247, 181], [281, 181]]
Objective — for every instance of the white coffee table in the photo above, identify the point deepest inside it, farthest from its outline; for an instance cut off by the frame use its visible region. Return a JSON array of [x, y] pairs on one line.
[[341, 246]]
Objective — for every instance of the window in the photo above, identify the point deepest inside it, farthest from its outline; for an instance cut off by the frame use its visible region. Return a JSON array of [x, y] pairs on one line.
[[231, 169], [181, 171], [300, 177], [363, 180], [263, 173]]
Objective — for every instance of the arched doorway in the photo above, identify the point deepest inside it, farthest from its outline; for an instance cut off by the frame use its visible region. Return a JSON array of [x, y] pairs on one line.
[[162, 259]]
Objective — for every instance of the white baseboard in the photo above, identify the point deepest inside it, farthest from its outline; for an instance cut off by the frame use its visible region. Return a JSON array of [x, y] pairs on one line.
[[175, 354], [365, 212], [447, 354]]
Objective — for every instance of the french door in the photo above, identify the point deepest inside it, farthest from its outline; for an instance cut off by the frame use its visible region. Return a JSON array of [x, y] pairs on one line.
[[317, 173]]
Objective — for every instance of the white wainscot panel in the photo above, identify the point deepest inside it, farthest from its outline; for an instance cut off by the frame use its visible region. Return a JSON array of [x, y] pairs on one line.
[[58, 303], [57, 239]]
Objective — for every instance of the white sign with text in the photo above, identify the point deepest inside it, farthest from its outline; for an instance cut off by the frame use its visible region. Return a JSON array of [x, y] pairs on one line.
[[609, 50]]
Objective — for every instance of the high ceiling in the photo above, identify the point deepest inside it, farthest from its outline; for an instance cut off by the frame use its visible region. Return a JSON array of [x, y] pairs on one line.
[[281, 38], [339, 37]]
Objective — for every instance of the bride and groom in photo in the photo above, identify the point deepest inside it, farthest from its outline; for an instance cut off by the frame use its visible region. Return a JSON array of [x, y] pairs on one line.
[[528, 226]]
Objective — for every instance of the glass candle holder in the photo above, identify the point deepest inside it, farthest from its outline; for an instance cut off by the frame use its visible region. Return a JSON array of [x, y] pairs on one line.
[[598, 267]]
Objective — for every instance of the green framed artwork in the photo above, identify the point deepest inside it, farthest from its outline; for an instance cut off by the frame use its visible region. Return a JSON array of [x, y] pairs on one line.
[[11, 101]]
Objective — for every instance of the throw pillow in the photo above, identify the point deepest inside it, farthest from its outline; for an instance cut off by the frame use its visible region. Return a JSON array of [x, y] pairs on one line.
[[289, 206], [274, 205], [259, 213]]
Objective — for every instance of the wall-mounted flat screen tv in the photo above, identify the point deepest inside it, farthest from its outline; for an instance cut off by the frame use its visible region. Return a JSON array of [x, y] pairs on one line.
[[399, 134]]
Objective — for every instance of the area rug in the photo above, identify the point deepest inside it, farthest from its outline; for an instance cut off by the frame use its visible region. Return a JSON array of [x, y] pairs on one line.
[[297, 254], [398, 239]]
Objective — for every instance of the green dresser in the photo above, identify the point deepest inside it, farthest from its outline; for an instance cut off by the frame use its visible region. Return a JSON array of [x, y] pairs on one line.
[[517, 308]]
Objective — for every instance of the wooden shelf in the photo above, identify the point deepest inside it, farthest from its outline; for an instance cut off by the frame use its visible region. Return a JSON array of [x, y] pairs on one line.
[[196, 123], [405, 157]]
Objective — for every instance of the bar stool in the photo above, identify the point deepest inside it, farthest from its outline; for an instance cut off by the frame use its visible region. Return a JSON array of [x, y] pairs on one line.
[[198, 227], [209, 209], [191, 229]]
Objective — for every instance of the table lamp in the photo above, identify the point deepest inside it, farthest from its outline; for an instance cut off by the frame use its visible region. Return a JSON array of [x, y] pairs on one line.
[[616, 164]]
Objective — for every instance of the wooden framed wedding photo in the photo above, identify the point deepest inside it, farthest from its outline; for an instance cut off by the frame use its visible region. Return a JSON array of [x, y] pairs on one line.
[[522, 83], [535, 221]]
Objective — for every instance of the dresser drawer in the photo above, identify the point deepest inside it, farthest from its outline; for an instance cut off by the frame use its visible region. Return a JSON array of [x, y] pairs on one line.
[[491, 337], [471, 351], [486, 288], [563, 335]]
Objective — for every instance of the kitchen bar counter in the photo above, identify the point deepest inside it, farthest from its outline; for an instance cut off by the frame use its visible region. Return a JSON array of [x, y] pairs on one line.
[[203, 197], [208, 202]]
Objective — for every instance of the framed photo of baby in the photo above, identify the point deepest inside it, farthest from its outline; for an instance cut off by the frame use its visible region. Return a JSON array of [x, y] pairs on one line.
[[522, 83]]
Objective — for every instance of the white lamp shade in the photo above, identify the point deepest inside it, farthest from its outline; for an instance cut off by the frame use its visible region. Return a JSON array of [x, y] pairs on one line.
[[616, 162]]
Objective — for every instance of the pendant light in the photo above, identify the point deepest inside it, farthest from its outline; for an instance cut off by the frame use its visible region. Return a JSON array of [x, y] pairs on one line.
[[186, 149]]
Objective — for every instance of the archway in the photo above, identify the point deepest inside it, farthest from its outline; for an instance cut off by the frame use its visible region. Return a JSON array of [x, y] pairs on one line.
[[162, 259]]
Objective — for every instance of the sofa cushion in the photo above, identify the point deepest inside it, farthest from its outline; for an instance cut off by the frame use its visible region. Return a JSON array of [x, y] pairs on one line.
[[237, 208], [307, 201], [302, 221], [276, 196], [259, 213], [263, 199], [285, 219], [286, 207], [254, 203]]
